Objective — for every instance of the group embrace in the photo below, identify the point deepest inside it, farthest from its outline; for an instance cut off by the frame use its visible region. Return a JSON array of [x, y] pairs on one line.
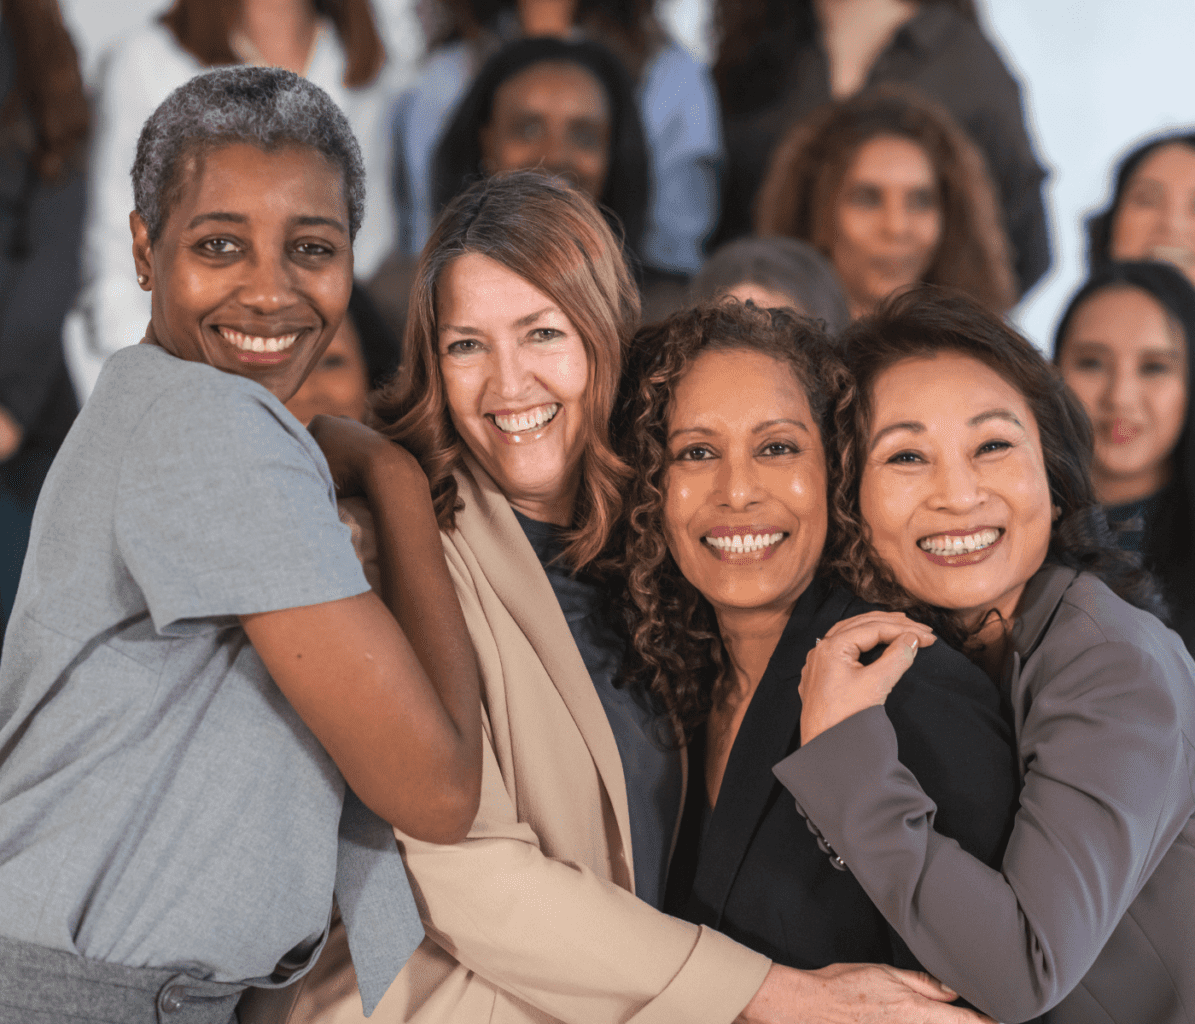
[[719, 668]]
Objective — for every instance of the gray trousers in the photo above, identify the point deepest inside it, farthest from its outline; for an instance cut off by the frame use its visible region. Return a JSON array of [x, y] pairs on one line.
[[48, 986]]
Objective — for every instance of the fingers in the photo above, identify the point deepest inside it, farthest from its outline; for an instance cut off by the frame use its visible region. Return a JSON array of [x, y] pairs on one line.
[[923, 984], [888, 620]]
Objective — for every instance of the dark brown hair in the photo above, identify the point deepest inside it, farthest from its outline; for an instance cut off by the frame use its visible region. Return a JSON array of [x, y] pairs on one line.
[[757, 41], [48, 87], [799, 196], [204, 28], [675, 647], [923, 322], [554, 237]]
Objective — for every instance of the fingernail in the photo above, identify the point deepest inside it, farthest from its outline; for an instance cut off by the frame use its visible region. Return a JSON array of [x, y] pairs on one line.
[[947, 989]]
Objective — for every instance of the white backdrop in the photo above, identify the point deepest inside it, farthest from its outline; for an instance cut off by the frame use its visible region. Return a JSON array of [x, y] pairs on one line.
[[1098, 74]]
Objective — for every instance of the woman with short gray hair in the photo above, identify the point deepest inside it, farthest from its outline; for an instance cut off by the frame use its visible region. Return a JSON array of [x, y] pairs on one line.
[[196, 671]]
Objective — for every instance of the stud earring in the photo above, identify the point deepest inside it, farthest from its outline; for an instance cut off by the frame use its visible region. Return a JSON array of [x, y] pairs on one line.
[[143, 279]]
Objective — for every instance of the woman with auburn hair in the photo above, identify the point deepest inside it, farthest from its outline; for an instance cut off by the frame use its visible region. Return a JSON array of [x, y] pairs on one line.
[[333, 43], [521, 312], [780, 60], [965, 500], [891, 190]]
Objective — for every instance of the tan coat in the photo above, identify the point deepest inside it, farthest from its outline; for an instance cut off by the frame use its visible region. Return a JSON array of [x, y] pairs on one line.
[[533, 917]]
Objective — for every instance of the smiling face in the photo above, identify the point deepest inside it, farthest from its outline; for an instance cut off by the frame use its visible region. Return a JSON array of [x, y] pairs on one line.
[[253, 268], [555, 116], [887, 220], [1127, 364], [515, 373], [954, 491], [1155, 219], [745, 488]]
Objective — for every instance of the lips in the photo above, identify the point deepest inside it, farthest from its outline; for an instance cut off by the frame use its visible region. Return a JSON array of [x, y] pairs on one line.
[[1122, 431], [258, 343], [526, 420], [735, 543]]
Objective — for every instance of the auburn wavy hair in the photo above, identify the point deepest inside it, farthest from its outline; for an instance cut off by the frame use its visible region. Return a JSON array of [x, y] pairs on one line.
[[921, 323], [675, 648], [204, 28], [555, 238], [800, 193]]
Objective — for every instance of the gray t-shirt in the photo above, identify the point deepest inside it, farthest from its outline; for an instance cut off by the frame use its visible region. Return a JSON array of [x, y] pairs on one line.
[[161, 803]]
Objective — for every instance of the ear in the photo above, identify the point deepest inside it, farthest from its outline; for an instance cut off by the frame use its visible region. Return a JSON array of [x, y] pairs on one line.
[[142, 252]]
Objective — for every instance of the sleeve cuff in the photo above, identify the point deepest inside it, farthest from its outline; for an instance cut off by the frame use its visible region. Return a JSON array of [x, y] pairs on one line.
[[719, 978]]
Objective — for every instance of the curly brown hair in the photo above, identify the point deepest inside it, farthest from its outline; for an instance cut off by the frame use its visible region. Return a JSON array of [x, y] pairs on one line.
[[554, 237], [799, 195], [923, 322], [675, 648]]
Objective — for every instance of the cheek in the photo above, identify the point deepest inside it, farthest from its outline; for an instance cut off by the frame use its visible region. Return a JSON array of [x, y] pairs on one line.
[[462, 387], [881, 501], [1129, 226], [1169, 404], [929, 229]]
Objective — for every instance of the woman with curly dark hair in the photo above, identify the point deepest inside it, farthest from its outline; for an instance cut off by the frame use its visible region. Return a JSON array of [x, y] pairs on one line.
[[726, 413], [779, 60], [965, 500], [888, 187]]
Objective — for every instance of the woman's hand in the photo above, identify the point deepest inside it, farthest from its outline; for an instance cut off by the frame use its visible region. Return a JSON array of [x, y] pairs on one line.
[[355, 452], [854, 994], [835, 684]]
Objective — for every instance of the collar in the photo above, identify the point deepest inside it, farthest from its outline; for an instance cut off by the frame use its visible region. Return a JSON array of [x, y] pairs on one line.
[[1043, 594]]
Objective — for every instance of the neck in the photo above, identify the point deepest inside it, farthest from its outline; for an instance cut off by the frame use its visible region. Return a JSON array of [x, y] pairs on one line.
[[854, 33], [1118, 489], [750, 636], [555, 509], [282, 31]]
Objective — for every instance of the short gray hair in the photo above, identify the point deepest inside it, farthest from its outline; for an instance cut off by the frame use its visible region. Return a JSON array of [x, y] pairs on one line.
[[264, 107]]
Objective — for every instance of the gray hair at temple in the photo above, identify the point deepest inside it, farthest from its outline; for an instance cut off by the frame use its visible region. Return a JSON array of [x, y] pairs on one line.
[[264, 107], [779, 264]]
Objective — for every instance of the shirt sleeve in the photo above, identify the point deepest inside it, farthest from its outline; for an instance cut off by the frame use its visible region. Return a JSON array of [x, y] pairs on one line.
[[222, 510], [1105, 792]]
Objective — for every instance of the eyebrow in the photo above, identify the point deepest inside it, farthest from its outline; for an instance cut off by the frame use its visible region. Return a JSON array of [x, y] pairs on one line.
[[757, 429], [915, 427], [525, 321], [240, 218]]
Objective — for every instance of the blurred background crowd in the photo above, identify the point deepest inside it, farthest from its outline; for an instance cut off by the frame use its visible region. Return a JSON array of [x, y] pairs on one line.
[[821, 153]]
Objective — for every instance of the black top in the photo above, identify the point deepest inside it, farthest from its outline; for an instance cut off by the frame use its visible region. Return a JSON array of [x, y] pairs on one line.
[[650, 761], [762, 876], [947, 57]]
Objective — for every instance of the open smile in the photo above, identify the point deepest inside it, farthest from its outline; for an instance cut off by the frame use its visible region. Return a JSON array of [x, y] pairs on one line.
[[259, 349], [744, 543], [961, 548], [514, 425]]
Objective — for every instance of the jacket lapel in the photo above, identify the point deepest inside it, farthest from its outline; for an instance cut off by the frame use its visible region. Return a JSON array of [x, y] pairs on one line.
[[768, 733], [512, 568]]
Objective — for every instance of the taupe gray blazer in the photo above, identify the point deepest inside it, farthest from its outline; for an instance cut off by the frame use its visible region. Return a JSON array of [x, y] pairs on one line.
[[533, 917], [1093, 914]]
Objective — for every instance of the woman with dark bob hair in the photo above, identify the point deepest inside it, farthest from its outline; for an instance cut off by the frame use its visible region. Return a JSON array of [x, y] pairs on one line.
[[1125, 347], [1152, 212], [724, 414], [965, 501], [196, 670], [600, 149], [549, 910], [892, 191]]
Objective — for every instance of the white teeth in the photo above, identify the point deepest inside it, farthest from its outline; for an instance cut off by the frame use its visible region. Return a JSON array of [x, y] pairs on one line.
[[744, 544], [252, 343], [532, 419], [942, 545]]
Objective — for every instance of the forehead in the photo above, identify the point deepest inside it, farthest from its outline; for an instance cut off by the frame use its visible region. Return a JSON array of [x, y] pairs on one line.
[[1126, 318], [943, 390], [555, 85], [740, 387], [243, 178], [1172, 164], [475, 290], [891, 159]]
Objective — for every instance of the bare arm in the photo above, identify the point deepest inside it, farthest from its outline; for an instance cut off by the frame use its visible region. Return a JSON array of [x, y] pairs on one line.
[[390, 690]]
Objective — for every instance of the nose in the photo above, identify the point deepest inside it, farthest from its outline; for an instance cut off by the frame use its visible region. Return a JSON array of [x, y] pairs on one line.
[[738, 481], [956, 485], [267, 285], [510, 374], [896, 217], [1123, 388]]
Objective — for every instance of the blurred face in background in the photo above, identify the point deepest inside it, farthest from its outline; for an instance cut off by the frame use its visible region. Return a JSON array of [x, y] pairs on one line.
[[339, 383], [554, 116], [1126, 361], [1155, 219], [887, 220]]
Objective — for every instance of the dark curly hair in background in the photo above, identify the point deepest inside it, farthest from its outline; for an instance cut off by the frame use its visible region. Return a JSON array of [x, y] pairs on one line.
[[674, 646], [921, 323]]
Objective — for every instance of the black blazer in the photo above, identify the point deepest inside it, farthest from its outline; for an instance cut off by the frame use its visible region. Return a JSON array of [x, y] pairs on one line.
[[753, 868]]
